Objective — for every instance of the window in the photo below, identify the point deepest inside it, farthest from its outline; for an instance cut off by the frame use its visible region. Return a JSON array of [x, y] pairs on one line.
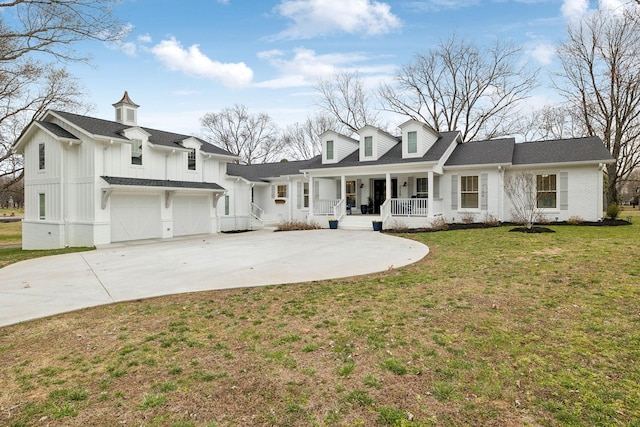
[[281, 191], [226, 204], [41, 156], [422, 187], [191, 160], [368, 146], [305, 194], [546, 191], [136, 152], [412, 142], [42, 206], [329, 150], [469, 191]]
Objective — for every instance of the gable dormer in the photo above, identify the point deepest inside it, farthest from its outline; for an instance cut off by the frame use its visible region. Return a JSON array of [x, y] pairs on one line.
[[126, 111], [375, 143], [417, 138], [335, 147]]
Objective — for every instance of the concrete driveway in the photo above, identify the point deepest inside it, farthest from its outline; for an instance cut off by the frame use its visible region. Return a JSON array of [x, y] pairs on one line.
[[121, 272]]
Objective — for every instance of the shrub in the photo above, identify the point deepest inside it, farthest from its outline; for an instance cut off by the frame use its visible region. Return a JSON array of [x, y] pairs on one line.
[[575, 220], [490, 220], [439, 224], [399, 226], [297, 225], [468, 217], [613, 211]]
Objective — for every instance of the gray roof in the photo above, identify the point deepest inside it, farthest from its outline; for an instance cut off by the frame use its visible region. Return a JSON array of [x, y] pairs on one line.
[[140, 182], [495, 151], [393, 156], [560, 151], [259, 172], [56, 130], [112, 129]]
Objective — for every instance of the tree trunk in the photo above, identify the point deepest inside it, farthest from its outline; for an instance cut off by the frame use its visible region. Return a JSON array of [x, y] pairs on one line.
[[612, 185]]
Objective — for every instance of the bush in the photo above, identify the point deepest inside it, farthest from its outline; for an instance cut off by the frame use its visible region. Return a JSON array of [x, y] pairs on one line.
[[490, 220], [575, 220], [613, 211], [399, 226], [297, 225], [468, 217], [439, 224]]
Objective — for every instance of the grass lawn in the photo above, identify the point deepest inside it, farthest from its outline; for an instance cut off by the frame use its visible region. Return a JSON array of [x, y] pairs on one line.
[[492, 328]]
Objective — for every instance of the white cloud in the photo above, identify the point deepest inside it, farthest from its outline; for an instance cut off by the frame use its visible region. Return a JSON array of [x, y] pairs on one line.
[[312, 18], [542, 52], [144, 38], [574, 10], [437, 5], [193, 62], [305, 66]]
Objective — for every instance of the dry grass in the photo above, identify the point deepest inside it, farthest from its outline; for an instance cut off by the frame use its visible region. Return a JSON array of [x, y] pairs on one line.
[[10, 233], [492, 328]]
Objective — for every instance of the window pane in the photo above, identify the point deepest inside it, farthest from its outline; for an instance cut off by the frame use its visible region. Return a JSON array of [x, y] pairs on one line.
[[41, 156], [306, 194], [412, 142], [191, 160], [282, 191], [226, 205], [368, 146], [329, 150], [136, 152], [546, 191], [42, 206], [469, 200]]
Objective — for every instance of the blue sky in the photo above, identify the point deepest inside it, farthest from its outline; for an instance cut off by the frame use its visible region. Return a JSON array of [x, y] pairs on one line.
[[184, 58]]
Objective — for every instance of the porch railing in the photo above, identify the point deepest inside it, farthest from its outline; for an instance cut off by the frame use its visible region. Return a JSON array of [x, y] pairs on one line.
[[409, 207], [338, 209], [255, 213], [324, 206], [385, 210]]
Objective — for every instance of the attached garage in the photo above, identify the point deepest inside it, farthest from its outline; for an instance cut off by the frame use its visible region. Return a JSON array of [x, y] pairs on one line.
[[135, 217], [191, 215]]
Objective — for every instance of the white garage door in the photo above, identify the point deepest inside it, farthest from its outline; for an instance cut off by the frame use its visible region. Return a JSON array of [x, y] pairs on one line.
[[135, 217], [191, 215]]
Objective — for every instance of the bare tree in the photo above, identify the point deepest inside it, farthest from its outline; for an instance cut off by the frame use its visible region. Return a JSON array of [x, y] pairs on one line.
[[254, 138], [345, 97], [521, 188], [302, 140], [601, 80], [551, 122], [25, 93], [460, 86], [31, 33], [54, 26]]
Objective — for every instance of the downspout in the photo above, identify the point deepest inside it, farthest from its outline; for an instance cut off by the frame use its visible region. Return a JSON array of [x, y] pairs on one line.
[[63, 202]]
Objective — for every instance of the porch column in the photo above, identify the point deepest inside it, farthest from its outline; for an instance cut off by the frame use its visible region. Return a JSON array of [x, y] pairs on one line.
[[389, 193], [500, 193], [430, 197], [311, 196], [343, 193]]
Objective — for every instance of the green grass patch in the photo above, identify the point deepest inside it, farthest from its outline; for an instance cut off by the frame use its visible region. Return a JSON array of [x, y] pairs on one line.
[[491, 328]]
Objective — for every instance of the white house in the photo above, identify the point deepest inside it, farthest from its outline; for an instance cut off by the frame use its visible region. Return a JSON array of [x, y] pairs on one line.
[[422, 175], [90, 181]]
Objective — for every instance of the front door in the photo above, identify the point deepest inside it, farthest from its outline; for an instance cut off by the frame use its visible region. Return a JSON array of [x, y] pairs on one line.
[[380, 192]]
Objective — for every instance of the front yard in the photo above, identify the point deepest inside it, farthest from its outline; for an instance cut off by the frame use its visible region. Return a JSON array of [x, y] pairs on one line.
[[492, 328]]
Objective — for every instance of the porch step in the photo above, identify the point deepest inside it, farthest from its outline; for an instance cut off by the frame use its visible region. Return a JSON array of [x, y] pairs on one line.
[[358, 222]]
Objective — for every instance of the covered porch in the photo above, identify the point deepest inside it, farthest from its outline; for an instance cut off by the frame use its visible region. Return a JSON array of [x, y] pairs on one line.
[[408, 198]]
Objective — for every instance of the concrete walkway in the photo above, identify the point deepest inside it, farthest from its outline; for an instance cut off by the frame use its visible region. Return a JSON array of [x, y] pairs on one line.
[[121, 272]]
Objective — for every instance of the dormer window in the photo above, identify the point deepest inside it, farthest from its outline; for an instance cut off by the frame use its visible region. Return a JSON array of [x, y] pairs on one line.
[[191, 160], [329, 150], [412, 142], [136, 152], [368, 146]]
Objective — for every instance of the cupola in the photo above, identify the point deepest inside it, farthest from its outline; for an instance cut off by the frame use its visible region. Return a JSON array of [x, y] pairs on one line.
[[126, 111]]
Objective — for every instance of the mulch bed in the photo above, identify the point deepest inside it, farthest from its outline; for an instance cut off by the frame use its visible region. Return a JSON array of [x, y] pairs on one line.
[[517, 228]]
